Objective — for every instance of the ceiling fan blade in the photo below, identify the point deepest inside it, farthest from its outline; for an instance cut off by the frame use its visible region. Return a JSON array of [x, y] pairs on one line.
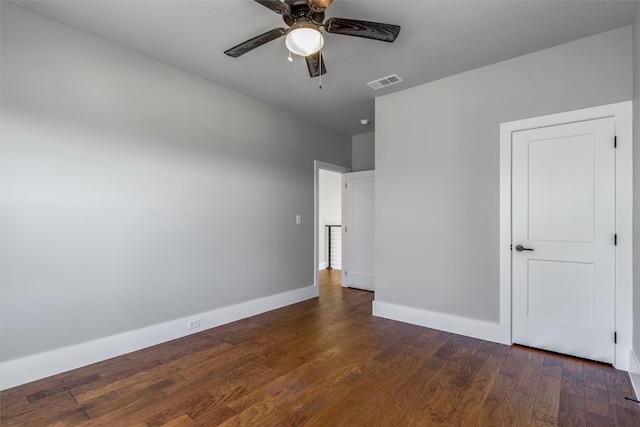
[[366, 29], [315, 64], [255, 42], [276, 5], [319, 5]]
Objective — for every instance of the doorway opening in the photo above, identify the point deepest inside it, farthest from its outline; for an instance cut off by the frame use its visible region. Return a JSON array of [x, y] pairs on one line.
[[328, 224], [330, 221]]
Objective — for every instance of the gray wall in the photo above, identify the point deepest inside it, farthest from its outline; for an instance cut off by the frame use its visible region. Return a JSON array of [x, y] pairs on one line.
[[636, 179], [134, 193], [363, 156], [437, 167]]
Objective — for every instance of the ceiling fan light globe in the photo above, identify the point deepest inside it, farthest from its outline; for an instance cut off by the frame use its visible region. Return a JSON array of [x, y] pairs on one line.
[[304, 40]]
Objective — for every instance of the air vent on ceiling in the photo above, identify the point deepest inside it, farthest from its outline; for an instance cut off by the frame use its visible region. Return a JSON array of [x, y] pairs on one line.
[[385, 81]]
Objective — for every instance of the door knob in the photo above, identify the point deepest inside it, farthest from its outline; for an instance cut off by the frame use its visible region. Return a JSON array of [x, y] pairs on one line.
[[521, 248]]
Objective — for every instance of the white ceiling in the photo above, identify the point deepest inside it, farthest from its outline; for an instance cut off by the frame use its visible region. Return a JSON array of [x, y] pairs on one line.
[[438, 39]]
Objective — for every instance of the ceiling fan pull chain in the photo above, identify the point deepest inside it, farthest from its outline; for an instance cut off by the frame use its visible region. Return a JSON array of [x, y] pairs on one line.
[[290, 59], [320, 81]]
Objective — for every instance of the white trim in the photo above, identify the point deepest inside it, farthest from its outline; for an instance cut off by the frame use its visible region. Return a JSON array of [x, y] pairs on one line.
[[317, 165], [634, 372], [322, 265], [622, 112], [31, 368], [445, 322]]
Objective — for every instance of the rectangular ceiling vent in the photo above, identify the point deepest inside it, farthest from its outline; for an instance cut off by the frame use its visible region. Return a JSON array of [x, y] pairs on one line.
[[385, 81]]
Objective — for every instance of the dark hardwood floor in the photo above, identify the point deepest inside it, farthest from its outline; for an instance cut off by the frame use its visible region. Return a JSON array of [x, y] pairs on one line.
[[328, 362]]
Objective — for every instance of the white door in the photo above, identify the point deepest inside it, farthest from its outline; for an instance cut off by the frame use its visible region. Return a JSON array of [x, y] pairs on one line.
[[357, 230], [563, 241]]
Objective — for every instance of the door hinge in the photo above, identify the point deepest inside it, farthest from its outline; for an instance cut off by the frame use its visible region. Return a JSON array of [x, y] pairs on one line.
[[615, 240], [345, 185], [615, 338], [615, 142], [346, 229], [346, 273]]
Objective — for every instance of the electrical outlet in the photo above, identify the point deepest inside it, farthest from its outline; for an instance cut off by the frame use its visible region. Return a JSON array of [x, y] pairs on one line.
[[195, 323]]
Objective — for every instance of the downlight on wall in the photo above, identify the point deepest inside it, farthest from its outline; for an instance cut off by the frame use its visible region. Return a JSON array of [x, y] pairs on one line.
[[391, 80]]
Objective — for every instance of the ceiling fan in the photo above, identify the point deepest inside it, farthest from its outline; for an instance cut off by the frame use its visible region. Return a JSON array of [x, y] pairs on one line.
[[304, 38]]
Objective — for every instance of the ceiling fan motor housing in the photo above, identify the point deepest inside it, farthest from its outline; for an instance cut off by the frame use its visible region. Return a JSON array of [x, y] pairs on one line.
[[300, 10]]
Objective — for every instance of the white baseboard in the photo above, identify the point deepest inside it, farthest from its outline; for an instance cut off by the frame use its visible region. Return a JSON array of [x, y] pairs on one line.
[[322, 265], [38, 366], [488, 331], [634, 372]]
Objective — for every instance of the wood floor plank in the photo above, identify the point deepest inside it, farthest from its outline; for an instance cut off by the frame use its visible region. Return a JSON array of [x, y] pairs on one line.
[[521, 409], [192, 405], [572, 410], [312, 400], [354, 409], [552, 366], [474, 396], [596, 401], [539, 419], [260, 414], [181, 421], [593, 376], [595, 420], [328, 362], [56, 408], [530, 371], [547, 401], [618, 382], [513, 363], [497, 410]]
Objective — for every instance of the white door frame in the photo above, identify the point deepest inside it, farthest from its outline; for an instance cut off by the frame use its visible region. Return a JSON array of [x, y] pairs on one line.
[[317, 165], [622, 113]]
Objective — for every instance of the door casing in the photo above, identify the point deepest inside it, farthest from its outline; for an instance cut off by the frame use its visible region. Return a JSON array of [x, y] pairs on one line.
[[622, 113]]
